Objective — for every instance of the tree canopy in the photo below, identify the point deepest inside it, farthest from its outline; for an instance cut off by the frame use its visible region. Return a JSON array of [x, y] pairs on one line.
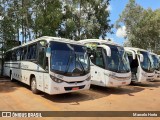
[[25, 20], [142, 26]]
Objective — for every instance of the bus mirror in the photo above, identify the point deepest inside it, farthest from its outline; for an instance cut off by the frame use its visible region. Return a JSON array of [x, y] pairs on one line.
[[134, 56], [91, 57], [108, 50], [109, 53], [131, 52], [141, 58], [48, 52]]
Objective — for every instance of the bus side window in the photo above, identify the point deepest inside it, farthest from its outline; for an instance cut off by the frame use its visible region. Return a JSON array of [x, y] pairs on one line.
[[41, 56], [98, 58], [32, 52], [18, 54], [24, 53], [46, 64], [14, 55], [42, 59], [8, 56]]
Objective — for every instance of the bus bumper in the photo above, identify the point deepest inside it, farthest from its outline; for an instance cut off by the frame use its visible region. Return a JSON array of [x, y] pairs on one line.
[[116, 83], [60, 88]]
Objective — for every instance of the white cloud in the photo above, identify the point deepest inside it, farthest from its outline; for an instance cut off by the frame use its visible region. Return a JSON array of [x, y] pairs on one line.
[[109, 8], [121, 32]]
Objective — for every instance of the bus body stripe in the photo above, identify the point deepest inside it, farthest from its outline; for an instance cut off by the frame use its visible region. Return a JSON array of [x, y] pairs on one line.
[[27, 69]]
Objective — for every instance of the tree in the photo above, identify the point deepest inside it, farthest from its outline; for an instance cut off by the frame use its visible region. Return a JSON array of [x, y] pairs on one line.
[[84, 19], [47, 17], [149, 28], [130, 17], [25, 20], [142, 26]]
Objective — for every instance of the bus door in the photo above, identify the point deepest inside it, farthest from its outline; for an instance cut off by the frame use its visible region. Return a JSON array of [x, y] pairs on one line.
[[98, 68], [43, 63]]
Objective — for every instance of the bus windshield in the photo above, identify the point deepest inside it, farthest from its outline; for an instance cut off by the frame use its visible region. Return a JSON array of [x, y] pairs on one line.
[[118, 61], [147, 64], [68, 59], [156, 63]]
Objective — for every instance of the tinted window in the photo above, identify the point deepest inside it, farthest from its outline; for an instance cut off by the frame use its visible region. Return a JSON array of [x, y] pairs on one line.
[[8, 56], [14, 55], [24, 53], [32, 52], [147, 64], [69, 59], [98, 58], [42, 60], [18, 54]]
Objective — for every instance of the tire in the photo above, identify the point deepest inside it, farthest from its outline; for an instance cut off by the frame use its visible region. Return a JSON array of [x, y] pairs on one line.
[[34, 86]]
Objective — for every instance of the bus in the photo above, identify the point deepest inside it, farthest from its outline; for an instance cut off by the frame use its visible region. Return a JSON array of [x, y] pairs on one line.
[[49, 64], [156, 64], [141, 64], [109, 63]]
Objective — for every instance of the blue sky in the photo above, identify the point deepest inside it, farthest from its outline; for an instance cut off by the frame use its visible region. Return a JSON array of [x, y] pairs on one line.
[[117, 6]]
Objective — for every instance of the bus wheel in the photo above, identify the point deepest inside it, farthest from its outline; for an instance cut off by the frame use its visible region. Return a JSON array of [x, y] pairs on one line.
[[34, 86]]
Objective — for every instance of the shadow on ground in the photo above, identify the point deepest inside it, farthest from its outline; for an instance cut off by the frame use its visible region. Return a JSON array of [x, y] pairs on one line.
[[95, 92], [9, 86], [155, 83]]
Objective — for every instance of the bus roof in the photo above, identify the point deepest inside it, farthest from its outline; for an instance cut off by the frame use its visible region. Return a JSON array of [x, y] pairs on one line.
[[100, 41], [48, 39], [153, 53], [135, 49]]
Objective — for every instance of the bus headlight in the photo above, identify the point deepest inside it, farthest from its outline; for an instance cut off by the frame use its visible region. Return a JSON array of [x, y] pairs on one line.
[[57, 80]]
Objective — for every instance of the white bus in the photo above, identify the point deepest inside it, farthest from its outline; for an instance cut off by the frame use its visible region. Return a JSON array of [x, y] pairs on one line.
[[141, 64], [49, 64], [109, 63], [156, 64]]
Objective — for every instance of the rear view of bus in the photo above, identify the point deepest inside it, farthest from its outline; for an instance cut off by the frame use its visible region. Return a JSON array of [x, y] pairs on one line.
[[109, 63], [156, 63], [141, 64]]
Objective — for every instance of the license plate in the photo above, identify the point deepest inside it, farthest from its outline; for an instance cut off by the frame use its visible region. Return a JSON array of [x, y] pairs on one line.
[[123, 83], [75, 88]]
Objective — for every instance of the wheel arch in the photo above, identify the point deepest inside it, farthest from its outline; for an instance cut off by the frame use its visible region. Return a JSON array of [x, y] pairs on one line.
[[30, 79]]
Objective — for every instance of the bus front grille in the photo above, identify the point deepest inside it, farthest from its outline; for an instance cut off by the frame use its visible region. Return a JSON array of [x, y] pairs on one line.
[[75, 82]]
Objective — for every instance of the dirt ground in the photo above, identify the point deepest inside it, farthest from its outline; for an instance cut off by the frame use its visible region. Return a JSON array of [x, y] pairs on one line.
[[16, 96]]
